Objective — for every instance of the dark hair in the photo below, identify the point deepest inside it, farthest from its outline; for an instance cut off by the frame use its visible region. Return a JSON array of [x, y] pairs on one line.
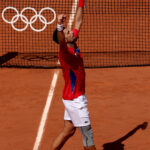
[[55, 38]]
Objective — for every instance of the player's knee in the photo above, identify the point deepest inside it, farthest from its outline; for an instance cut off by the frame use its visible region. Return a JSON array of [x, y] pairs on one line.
[[87, 134], [72, 131], [69, 131]]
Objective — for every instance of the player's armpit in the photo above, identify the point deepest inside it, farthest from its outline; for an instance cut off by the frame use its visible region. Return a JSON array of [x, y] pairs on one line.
[[63, 47]]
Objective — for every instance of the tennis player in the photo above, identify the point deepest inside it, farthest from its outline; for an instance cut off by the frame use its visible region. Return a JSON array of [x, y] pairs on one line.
[[76, 114]]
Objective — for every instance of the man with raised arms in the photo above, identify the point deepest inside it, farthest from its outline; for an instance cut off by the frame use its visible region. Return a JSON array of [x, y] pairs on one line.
[[76, 113]]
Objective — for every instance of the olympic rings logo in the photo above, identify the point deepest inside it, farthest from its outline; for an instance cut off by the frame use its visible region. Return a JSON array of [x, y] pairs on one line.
[[25, 19]]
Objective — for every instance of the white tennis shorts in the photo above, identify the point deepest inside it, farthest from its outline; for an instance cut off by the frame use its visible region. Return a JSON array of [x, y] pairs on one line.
[[76, 111]]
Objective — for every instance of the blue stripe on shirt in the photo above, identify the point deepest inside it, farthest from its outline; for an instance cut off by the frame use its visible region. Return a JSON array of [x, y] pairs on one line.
[[73, 79]]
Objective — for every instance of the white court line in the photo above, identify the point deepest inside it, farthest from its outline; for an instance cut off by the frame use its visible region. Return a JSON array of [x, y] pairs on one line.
[[46, 110], [52, 88]]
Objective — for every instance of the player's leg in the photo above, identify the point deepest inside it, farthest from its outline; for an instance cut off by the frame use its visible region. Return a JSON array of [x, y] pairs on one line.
[[90, 148], [84, 124], [87, 135], [77, 111], [66, 133]]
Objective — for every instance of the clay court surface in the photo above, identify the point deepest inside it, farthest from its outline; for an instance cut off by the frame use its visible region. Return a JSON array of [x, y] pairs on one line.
[[118, 103], [119, 98]]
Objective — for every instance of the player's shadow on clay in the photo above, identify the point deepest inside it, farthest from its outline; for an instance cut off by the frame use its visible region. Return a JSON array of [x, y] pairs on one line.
[[117, 145]]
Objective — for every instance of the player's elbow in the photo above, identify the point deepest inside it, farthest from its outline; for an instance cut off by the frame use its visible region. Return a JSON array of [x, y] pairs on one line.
[[78, 25]]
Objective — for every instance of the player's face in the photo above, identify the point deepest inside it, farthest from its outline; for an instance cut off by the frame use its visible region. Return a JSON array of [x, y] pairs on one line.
[[69, 35]]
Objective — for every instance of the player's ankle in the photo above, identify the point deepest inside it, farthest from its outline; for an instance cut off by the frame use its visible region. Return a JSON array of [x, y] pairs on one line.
[[90, 148]]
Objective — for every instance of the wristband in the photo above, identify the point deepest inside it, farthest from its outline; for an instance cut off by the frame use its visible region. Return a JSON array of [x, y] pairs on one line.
[[81, 3], [60, 27], [75, 33]]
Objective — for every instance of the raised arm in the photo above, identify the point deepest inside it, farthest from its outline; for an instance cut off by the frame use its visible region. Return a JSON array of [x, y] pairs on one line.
[[60, 33], [79, 15]]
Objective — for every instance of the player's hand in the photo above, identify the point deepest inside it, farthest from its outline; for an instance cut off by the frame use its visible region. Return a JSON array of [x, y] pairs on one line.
[[61, 18]]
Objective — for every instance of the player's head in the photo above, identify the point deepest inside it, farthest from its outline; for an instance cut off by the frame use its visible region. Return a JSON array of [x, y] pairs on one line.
[[70, 35]]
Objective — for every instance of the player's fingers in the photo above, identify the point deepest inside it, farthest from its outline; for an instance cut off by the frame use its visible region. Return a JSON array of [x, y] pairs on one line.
[[63, 18], [60, 16]]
